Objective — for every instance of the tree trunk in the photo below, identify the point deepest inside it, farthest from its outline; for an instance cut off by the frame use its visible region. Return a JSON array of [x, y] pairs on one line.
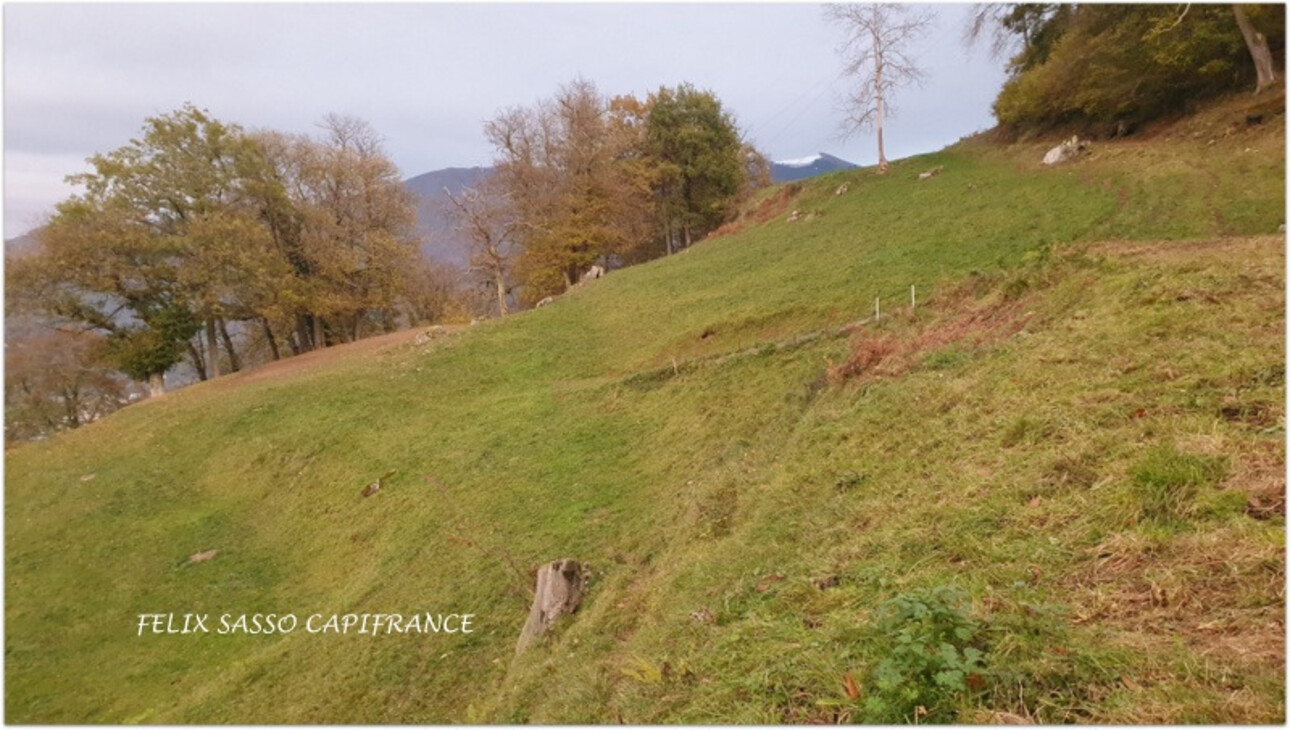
[[72, 406], [212, 348], [499, 278], [882, 151], [156, 384], [233, 363], [303, 333], [268, 336], [688, 241], [199, 362], [1258, 45], [319, 339]]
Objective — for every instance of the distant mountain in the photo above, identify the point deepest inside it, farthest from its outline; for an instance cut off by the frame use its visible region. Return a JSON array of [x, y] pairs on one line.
[[788, 170], [442, 241], [20, 246]]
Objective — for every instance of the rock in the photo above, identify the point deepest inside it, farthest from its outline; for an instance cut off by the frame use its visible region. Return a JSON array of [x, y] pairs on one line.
[[202, 556], [543, 302], [560, 586], [1281, 228], [842, 189], [930, 173], [703, 616], [1066, 151], [794, 215], [595, 272], [372, 488]]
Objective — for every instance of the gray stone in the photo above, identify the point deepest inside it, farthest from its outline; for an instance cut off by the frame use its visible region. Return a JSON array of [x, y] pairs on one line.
[[1066, 151], [595, 272]]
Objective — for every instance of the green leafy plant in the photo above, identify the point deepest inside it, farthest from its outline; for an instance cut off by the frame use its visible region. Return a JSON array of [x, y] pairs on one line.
[[930, 666]]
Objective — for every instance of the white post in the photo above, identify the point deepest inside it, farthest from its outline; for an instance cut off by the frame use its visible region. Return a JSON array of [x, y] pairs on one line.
[[913, 300], [877, 309]]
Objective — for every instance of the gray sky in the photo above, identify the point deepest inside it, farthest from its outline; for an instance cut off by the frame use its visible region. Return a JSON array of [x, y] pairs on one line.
[[80, 79]]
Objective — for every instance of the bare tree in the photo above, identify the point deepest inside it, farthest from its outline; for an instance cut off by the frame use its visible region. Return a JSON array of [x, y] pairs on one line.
[[875, 56], [1258, 45], [481, 213]]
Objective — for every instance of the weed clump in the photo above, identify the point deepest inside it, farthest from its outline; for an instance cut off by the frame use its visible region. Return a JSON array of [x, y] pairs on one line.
[[929, 666]]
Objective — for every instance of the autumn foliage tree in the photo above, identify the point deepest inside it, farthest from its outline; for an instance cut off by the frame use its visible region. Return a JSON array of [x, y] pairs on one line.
[[349, 234], [58, 379], [593, 179], [1107, 67], [197, 226]]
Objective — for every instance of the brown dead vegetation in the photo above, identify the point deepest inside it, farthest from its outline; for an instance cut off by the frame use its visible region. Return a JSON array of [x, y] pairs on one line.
[[958, 318], [775, 205], [1220, 594]]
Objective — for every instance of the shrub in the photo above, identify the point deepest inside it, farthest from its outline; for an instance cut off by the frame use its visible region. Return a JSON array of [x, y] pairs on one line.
[[929, 661], [1111, 63]]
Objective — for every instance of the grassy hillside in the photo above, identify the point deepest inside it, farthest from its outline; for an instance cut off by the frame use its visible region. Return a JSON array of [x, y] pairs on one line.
[[1063, 471]]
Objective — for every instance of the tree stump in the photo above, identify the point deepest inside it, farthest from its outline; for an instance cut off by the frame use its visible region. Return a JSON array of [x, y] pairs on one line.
[[560, 585]]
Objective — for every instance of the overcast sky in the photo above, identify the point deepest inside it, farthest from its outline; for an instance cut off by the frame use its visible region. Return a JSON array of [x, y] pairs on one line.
[[80, 79]]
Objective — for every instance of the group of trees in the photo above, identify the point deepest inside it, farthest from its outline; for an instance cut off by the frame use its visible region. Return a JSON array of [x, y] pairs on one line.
[[202, 243], [1100, 65], [56, 379], [1107, 66], [199, 235], [582, 179]]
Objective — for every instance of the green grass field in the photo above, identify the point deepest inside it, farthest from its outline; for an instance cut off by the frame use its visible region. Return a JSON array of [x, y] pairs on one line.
[[1054, 489]]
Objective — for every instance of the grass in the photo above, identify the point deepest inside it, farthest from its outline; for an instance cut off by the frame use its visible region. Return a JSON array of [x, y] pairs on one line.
[[1084, 438]]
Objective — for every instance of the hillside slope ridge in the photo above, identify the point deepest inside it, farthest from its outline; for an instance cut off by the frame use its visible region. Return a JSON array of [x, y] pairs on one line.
[[1079, 427]]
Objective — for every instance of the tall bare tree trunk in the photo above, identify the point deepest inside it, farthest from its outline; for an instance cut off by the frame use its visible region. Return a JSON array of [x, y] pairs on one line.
[[233, 363], [157, 384], [878, 93], [1258, 45]]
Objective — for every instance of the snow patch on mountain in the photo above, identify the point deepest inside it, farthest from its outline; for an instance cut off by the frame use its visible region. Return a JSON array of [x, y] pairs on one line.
[[801, 161]]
